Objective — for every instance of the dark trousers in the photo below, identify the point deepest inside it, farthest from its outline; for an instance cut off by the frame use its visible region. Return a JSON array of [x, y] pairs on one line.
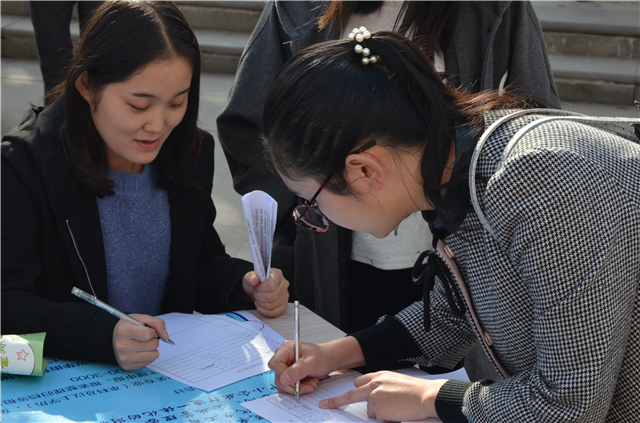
[[51, 20]]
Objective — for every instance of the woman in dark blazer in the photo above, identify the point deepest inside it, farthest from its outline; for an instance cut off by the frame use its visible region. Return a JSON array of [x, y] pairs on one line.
[[108, 188]]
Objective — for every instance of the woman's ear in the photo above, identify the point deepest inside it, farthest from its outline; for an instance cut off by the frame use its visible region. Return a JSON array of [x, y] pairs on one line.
[[364, 168], [82, 85]]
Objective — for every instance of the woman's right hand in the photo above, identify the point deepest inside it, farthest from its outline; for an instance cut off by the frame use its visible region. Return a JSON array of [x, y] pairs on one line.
[[137, 346], [316, 362]]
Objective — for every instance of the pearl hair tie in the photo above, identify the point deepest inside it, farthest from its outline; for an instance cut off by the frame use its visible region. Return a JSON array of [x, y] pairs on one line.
[[360, 35]]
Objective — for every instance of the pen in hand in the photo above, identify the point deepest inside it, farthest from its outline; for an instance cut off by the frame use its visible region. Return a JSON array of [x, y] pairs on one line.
[[296, 339], [106, 307]]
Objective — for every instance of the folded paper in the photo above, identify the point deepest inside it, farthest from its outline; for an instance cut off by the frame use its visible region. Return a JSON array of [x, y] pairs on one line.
[[260, 213], [22, 354]]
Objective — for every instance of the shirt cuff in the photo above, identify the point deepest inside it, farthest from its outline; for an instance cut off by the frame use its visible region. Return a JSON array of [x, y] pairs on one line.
[[449, 401], [385, 344]]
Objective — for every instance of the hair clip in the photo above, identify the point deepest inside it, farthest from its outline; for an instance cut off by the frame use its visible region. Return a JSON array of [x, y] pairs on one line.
[[360, 35]]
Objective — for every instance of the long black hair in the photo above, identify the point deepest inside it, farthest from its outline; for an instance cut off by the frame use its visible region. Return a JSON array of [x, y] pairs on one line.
[[120, 39], [432, 23], [325, 103]]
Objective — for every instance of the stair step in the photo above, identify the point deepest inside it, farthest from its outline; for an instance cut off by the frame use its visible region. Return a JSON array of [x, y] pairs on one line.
[[596, 79], [619, 71], [17, 37], [221, 50], [221, 18], [16, 8], [601, 65], [21, 7], [247, 5], [221, 15], [618, 18], [592, 45]]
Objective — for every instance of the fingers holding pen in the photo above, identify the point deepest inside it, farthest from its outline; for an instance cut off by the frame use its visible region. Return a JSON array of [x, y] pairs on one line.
[[134, 346], [288, 371], [158, 325], [316, 362]]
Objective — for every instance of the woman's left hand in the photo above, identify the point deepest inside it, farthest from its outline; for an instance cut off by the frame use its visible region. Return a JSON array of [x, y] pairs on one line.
[[391, 396], [271, 296]]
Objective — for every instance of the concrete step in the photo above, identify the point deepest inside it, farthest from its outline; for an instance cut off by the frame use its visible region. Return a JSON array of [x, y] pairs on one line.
[[218, 15], [606, 29], [222, 28], [221, 50], [17, 8], [580, 44], [241, 16], [596, 79], [617, 18], [242, 4], [594, 49]]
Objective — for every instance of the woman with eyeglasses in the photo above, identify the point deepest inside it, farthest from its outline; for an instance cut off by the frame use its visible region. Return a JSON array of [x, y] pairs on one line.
[[108, 189], [535, 215], [478, 44]]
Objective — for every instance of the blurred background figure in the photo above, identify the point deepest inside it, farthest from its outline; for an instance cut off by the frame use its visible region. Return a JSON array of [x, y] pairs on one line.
[[51, 20]]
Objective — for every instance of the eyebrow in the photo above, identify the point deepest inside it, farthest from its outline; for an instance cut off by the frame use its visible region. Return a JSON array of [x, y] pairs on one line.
[[146, 95]]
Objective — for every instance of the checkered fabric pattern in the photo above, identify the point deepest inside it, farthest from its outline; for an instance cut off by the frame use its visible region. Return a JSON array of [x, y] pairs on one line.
[[557, 289]]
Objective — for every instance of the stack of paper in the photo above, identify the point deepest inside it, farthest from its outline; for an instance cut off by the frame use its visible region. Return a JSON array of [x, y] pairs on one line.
[[212, 351], [260, 213], [285, 408]]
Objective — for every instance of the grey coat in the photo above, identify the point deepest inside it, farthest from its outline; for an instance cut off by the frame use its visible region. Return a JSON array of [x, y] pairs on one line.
[[551, 262], [490, 38]]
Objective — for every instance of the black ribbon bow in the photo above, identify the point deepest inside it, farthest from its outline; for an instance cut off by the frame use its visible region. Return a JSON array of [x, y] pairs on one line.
[[424, 274]]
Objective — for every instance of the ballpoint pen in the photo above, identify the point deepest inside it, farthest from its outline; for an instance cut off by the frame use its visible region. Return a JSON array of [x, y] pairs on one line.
[[296, 339], [106, 307]]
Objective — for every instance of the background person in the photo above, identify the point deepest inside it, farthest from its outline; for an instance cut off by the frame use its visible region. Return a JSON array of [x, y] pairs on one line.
[[557, 305], [51, 21], [108, 189]]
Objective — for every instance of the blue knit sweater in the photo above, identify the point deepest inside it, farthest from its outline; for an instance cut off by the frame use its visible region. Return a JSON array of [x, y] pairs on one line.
[[136, 231]]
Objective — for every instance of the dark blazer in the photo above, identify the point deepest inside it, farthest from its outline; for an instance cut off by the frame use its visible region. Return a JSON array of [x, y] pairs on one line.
[[52, 241]]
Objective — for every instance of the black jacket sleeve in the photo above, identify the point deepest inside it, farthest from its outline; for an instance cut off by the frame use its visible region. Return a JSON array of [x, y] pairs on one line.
[[37, 279]]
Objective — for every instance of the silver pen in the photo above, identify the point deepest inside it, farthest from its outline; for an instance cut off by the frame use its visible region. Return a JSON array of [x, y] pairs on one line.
[[106, 307], [296, 338]]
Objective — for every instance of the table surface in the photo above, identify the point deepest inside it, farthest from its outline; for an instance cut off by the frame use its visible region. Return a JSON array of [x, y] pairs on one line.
[[313, 328], [105, 393]]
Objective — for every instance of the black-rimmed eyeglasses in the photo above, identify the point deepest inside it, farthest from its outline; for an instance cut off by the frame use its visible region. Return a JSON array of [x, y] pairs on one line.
[[308, 214]]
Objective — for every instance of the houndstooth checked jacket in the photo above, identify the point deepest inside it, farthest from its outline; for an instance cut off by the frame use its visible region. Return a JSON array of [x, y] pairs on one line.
[[554, 281]]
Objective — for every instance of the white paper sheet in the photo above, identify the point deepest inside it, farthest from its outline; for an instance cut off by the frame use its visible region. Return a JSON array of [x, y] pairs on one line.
[[284, 408], [260, 213], [212, 351]]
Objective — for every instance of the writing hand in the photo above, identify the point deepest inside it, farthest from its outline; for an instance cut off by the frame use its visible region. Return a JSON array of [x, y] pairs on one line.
[[312, 365], [137, 346], [315, 362], [391, 396], [271, 296]]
